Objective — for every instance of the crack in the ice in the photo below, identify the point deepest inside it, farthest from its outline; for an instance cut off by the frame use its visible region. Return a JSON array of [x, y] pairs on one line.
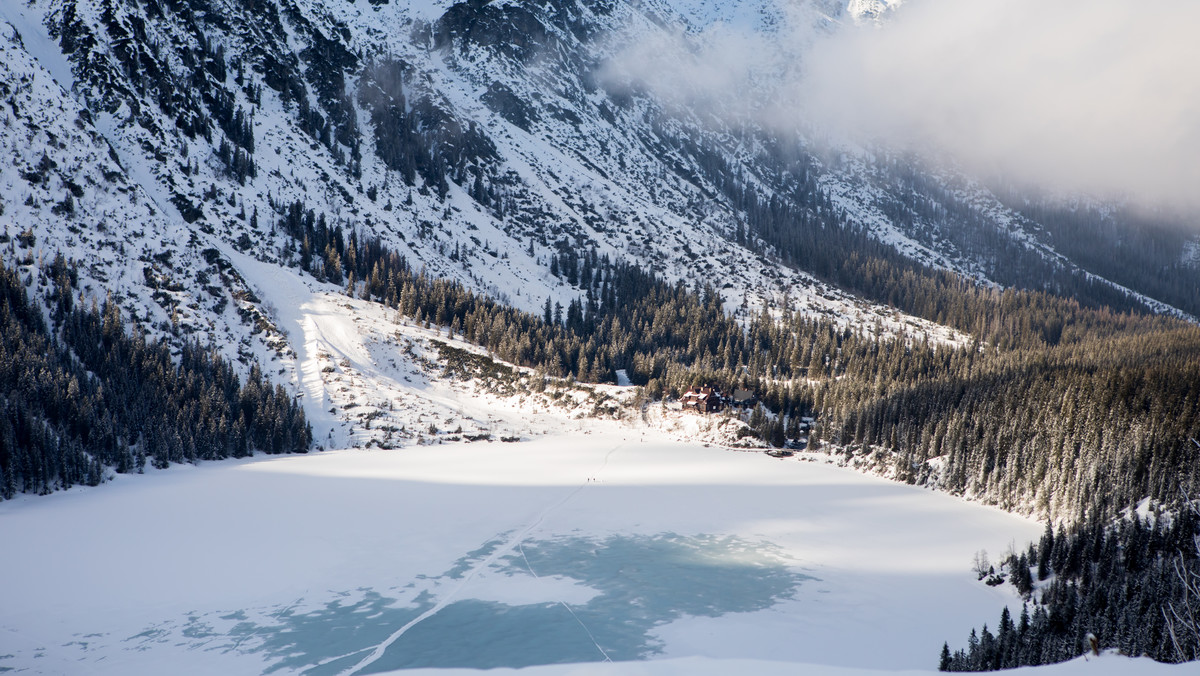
[[508, 546]]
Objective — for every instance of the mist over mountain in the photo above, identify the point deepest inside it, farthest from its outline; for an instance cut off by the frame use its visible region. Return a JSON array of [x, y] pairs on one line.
[[1088, 98]]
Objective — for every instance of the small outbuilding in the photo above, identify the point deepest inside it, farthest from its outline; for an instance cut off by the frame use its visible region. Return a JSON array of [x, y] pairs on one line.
[[743, 398]]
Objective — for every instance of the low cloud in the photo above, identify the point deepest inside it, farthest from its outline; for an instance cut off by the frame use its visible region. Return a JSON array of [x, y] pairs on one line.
[[1095, 96], [721, 68], [1100, 97]]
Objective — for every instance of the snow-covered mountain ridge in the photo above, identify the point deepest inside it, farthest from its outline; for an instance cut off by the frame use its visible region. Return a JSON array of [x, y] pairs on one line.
[[870, 10], [479, 139]]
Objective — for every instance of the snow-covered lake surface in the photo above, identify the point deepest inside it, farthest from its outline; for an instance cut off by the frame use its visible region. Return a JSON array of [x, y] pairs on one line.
[[606, 543]]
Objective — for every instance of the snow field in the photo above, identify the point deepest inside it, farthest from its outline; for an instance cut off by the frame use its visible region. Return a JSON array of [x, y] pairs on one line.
[[284, 537], [370, 377]]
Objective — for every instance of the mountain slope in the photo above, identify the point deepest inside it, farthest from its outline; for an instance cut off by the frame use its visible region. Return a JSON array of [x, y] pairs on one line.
[[481, 139]]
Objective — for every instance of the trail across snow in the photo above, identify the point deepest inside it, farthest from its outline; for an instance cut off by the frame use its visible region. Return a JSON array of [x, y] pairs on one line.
[[509, 543], [320, 331], [362, 373]]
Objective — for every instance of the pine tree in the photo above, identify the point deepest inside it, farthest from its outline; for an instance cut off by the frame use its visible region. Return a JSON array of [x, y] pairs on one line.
[[1045, 552]]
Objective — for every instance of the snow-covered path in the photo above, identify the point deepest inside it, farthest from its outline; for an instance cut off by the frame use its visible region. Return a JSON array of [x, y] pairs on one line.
[[311, 328], [360, 372]]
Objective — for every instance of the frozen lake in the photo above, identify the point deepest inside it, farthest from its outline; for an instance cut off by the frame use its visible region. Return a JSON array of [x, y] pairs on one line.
[[580, 600], [594, 547]]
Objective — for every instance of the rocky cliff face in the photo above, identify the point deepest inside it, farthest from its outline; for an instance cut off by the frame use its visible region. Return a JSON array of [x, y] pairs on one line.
[[479, 139], [870, 10]]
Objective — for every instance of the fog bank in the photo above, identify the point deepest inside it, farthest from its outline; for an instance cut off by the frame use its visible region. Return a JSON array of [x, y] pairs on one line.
[[1100, 97], [1097, 96]]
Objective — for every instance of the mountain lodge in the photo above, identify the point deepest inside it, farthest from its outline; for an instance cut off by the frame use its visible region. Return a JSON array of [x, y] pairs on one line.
[[703, 400]]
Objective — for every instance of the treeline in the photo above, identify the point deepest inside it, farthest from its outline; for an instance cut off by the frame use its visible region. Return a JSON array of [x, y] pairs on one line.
[[1084, 422], [624, 318], [806, 231], [1066, 432], [1122, 584], [1133, 249], [87, 396], [799, 224], [668, 337]]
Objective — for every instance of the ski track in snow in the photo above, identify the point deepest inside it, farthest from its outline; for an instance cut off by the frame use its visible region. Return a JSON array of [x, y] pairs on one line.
[[509, 544], [566, 605]]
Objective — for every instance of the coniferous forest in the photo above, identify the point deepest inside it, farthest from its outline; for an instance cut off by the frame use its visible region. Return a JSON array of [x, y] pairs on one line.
[[1125, 584], [84, 396]]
